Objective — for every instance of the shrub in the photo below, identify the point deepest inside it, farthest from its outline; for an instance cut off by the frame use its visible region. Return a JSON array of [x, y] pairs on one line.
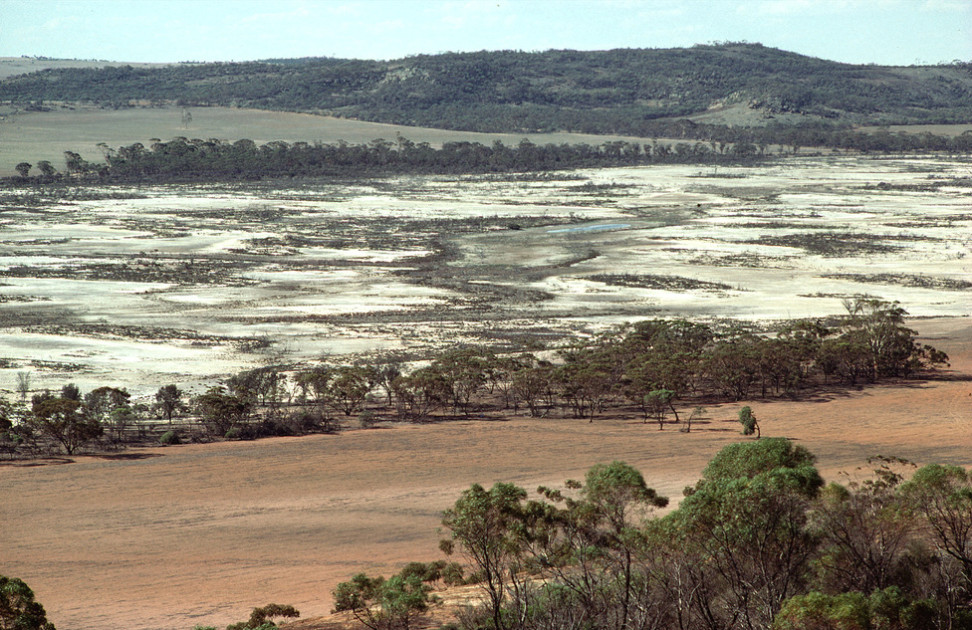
[[262, 618], [367, 419], [169, 438], [452, 574], [748, 421]]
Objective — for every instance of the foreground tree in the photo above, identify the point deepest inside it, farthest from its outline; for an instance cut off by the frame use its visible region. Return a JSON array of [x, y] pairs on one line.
[[487, 525], [745, 523], [943, 496], [886, 608], [18, 610], [592, 544], [866, 533]]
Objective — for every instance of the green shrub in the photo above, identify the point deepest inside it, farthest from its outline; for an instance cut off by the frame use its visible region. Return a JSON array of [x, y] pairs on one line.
[[169, 438], [367, 419]]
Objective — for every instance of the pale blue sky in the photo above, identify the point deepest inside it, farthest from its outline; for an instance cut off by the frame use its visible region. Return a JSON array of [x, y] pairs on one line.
[[893, 32]]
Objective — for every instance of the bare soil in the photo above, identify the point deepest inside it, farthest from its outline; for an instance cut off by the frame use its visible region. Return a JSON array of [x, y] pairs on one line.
[[167, 538]]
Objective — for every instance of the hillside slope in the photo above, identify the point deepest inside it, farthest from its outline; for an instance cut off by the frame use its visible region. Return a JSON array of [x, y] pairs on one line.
[[616, 91]]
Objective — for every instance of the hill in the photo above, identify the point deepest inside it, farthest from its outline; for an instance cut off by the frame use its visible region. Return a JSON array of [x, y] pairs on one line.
[[625, 91], [14, 66]]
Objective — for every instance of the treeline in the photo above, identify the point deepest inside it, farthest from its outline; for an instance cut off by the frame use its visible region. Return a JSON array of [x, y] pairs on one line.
[[758, 543], [196, 159], [184, 159], [616, 91], [656, 367]]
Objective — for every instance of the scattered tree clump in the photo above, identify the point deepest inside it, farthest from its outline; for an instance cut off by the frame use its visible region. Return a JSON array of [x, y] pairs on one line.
[[661, 369]]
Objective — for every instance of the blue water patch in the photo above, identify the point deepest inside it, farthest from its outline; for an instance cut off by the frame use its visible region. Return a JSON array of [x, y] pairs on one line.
[[591, 228]]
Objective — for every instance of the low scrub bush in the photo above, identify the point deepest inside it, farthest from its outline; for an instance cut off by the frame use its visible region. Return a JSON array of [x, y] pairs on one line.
[[170, 438]]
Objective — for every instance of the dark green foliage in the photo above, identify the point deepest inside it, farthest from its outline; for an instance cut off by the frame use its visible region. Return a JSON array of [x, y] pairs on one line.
[[816, 611], [356, 593], [887, 608], [426, 572], [349, 386], [867, 533], [488, 527], [380, 604], [421, 392], [591, 545], [750, 459], [747, 521], [748, 421], [222, 412], [169, 400], [181, 159], [754, 545], [943, 495], [71, 392], [170, 438], [64, 420], [634, 92], [18, 610], [262, 618]]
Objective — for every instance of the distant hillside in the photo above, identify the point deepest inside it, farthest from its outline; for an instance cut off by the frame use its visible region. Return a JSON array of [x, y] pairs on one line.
[[13, 66], [617, 91]]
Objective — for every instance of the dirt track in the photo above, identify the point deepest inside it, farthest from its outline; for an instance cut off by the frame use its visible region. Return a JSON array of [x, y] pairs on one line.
[[173, 537]]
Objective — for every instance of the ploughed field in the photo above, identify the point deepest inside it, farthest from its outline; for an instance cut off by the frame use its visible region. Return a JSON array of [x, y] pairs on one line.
[[142, 286], [168, 538]]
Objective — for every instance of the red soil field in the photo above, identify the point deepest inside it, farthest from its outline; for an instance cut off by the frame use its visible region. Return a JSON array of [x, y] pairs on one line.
[[167, 538]]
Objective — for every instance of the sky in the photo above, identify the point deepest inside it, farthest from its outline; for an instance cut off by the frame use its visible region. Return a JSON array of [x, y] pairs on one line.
[[884, 32]]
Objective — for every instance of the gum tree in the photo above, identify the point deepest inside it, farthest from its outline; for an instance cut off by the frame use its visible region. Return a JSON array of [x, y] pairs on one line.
[[487, 526], [65, 421], [18, 610]]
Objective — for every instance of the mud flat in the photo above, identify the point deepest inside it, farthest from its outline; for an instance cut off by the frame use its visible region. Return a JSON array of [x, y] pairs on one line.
[[144, 286]]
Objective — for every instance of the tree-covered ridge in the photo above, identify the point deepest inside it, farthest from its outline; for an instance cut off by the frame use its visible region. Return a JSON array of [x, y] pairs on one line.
[[615, 91]]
